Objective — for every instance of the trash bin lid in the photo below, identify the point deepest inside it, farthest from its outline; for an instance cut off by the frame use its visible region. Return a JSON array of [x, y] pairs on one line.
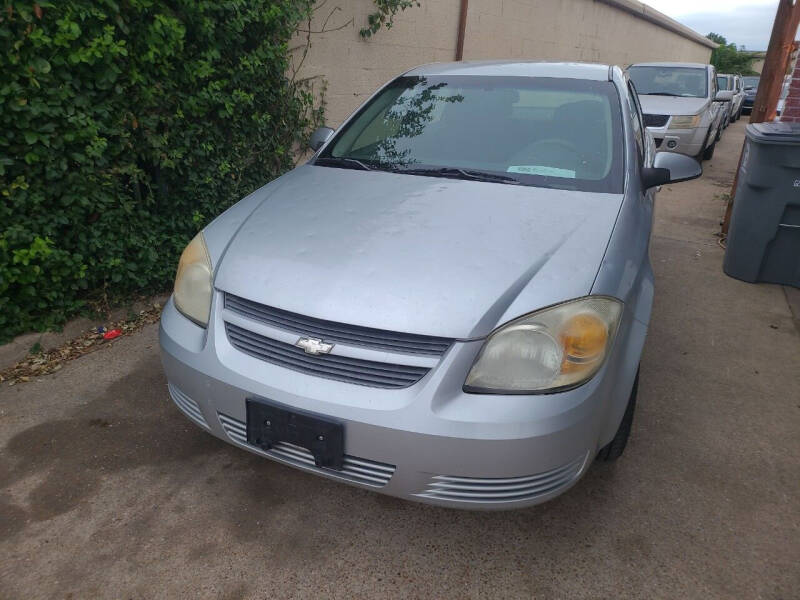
[[775, 132]]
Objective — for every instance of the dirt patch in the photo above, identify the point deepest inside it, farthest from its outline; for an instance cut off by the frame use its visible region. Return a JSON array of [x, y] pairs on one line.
[[97, 338]]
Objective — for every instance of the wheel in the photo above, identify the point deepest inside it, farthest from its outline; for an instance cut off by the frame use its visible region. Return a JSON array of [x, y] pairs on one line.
[[614, 449], [708, 153], [719, 134]]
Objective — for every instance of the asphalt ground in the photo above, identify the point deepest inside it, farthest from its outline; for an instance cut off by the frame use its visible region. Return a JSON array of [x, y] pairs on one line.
[[106, 490]]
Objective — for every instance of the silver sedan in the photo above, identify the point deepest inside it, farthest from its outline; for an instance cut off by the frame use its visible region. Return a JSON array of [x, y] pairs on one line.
[[448, 302]]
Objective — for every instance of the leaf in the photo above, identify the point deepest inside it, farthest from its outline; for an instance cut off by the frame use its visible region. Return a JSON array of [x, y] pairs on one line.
[[40, 65]]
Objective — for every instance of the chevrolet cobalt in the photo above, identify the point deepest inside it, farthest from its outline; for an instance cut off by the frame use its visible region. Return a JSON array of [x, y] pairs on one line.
[[448, 301]]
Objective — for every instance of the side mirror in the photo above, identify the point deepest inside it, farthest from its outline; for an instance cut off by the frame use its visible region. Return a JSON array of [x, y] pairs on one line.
[[670, 167], [724, 96], [319, 137]]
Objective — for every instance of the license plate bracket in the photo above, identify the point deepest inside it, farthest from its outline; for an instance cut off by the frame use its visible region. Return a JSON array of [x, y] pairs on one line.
[[269, 424]]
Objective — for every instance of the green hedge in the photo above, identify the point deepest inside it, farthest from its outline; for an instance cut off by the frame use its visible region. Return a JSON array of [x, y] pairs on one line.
[[124, 127]]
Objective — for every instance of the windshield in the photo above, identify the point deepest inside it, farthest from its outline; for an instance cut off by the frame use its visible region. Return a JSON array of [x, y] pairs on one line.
[[688, 82], [722, 82], [545, 132], [751, 82]]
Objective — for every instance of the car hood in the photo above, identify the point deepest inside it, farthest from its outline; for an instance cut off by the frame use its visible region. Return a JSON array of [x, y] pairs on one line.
[[671, 105], [416, 254]]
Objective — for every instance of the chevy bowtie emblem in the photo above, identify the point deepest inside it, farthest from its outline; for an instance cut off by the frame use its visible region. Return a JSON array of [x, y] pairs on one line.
[[314, 345]]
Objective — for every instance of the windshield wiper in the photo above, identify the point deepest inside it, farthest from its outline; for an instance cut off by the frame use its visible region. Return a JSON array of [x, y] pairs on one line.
[[341, 161], [663, 94], [455, 173]]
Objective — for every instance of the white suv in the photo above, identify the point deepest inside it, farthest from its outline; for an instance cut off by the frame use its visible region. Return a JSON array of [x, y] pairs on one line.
[[683, 106]]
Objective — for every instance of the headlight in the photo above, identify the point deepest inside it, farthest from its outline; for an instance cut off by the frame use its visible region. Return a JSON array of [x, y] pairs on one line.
[[193, 282], [684, 122], [554, 348]]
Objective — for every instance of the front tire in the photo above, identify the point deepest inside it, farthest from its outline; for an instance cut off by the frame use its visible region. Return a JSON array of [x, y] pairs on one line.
[[614, 449], [708, 153]]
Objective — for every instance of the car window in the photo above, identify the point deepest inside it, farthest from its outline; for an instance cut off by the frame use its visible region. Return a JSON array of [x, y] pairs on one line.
[[539, 131], [723, 82], [636, 121], [751, 83], [690, 82]]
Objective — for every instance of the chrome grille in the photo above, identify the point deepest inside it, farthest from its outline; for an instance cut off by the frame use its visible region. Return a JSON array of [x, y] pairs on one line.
[[188, 406], [338, 332], [655, 120], [358, 470], [511, 489], [330, 366]]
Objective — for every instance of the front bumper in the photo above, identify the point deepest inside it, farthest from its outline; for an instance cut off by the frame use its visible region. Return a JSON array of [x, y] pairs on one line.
[[429, 442], [683, 141]]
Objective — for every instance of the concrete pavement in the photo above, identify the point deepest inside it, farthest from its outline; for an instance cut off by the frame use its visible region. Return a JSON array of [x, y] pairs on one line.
[[106, 490]]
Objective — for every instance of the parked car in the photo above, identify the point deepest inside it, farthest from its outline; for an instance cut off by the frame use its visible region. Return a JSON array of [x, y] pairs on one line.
[[722, 85], [732, 83], [738, 97], [448, 302], [750, 90], [682, 105]]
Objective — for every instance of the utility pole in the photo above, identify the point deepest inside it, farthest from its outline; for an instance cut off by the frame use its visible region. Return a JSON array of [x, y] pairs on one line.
[[779, 52], [462, 29], [776, 62]]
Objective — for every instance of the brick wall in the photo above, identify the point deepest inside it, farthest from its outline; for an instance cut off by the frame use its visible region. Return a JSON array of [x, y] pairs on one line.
[[791, 108]]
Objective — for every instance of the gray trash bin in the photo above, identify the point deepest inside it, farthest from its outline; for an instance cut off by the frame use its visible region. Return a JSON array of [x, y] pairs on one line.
[[764, 233]]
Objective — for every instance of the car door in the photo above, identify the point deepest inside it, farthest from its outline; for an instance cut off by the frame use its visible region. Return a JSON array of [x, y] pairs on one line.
[[714, 107], [646, 147], [739, 93]]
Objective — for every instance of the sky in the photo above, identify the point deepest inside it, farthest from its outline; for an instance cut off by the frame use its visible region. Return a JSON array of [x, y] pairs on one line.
[[744, 22]]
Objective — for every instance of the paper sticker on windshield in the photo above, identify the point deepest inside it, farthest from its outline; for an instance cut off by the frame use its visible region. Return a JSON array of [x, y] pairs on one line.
[[541, 170]]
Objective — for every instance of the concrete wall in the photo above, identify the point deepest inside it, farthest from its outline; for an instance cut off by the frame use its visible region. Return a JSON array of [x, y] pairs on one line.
[[609, 31], [354, 67], [582, 30]]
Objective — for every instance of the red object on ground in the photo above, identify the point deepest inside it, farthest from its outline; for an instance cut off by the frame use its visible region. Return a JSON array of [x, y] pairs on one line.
[[110, 335]]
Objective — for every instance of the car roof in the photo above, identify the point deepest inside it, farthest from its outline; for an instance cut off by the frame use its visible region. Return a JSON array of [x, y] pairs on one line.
[[567, 70], [671, 64]]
